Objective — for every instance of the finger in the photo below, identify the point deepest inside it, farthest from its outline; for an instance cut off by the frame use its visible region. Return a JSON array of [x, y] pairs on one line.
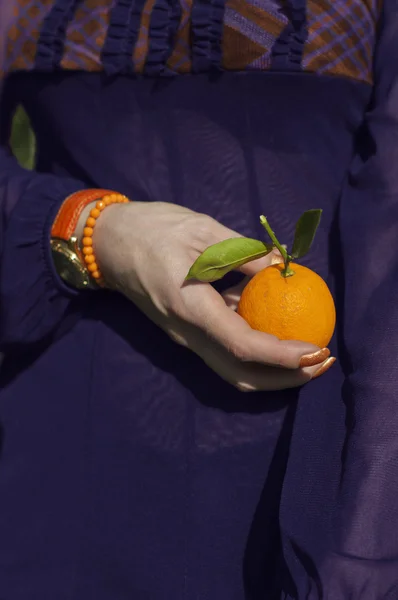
[[280, 379], [252, 377], [251, 268], [262, 379], [206, 310]]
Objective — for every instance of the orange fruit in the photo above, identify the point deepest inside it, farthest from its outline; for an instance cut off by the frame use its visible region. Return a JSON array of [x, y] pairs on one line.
[[299, 307]]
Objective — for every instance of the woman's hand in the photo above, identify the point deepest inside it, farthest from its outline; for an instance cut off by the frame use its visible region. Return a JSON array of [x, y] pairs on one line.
[[145, 251]]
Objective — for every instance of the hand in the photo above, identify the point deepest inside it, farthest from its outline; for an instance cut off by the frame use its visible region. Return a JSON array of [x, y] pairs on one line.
[[145, 250]]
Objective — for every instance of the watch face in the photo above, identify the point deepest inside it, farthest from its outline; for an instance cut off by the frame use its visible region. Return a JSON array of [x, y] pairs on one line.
[[68, 265]]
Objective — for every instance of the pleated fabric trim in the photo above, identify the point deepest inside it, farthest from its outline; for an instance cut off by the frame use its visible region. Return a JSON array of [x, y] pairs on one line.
[[116, 55], [207, 29], [288, 49], [50, 46], [164, 23], [171, 37]]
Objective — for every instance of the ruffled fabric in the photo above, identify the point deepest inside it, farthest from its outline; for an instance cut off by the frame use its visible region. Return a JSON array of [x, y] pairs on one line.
[[122, 36], [159, 37], [50, 46], [288, 49], [165, 20], [33, 299], [207, 27]]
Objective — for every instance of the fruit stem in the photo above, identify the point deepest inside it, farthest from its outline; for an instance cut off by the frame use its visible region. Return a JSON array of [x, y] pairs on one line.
[[287, 271]]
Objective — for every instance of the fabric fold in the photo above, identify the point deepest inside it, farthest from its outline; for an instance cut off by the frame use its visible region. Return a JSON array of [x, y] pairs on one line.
[[207, 26], [165, 20], [288, 49], [50, 44], [121, 37]]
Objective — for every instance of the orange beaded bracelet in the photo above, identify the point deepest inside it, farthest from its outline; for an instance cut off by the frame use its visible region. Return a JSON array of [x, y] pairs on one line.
[[78, 266], [88, 231]]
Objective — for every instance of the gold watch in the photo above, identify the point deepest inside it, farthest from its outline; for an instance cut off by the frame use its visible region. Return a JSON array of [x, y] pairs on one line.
[[69, 265]]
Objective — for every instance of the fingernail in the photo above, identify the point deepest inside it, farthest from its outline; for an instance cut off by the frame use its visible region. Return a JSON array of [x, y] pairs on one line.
[[326, 365], [310, 360]]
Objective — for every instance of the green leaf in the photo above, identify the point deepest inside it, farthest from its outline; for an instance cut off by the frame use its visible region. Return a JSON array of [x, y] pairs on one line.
[[305, 232], [217, 260], [22, 139]]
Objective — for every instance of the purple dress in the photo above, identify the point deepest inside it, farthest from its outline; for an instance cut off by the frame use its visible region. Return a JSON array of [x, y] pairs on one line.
[[128, 470]]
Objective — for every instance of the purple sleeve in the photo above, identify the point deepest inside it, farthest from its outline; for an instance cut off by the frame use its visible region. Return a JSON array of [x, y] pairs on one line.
[[361, 562], [339, 501], [33, 299], [367, 523]]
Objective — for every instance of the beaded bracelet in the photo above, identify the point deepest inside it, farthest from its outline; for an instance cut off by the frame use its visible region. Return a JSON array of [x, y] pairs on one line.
[[88, 232]]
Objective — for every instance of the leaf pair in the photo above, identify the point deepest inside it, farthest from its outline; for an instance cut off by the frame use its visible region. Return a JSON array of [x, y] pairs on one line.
[[228, 255]]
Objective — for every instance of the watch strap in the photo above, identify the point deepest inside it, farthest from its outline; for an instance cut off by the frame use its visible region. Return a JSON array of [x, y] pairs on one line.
[[68, 215]]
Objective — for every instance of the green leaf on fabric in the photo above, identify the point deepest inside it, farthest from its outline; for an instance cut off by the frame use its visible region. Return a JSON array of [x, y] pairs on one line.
[[22, 139]]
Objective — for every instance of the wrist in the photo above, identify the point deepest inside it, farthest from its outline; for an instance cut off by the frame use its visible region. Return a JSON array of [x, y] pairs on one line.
[[106, 245], [78, 232]]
